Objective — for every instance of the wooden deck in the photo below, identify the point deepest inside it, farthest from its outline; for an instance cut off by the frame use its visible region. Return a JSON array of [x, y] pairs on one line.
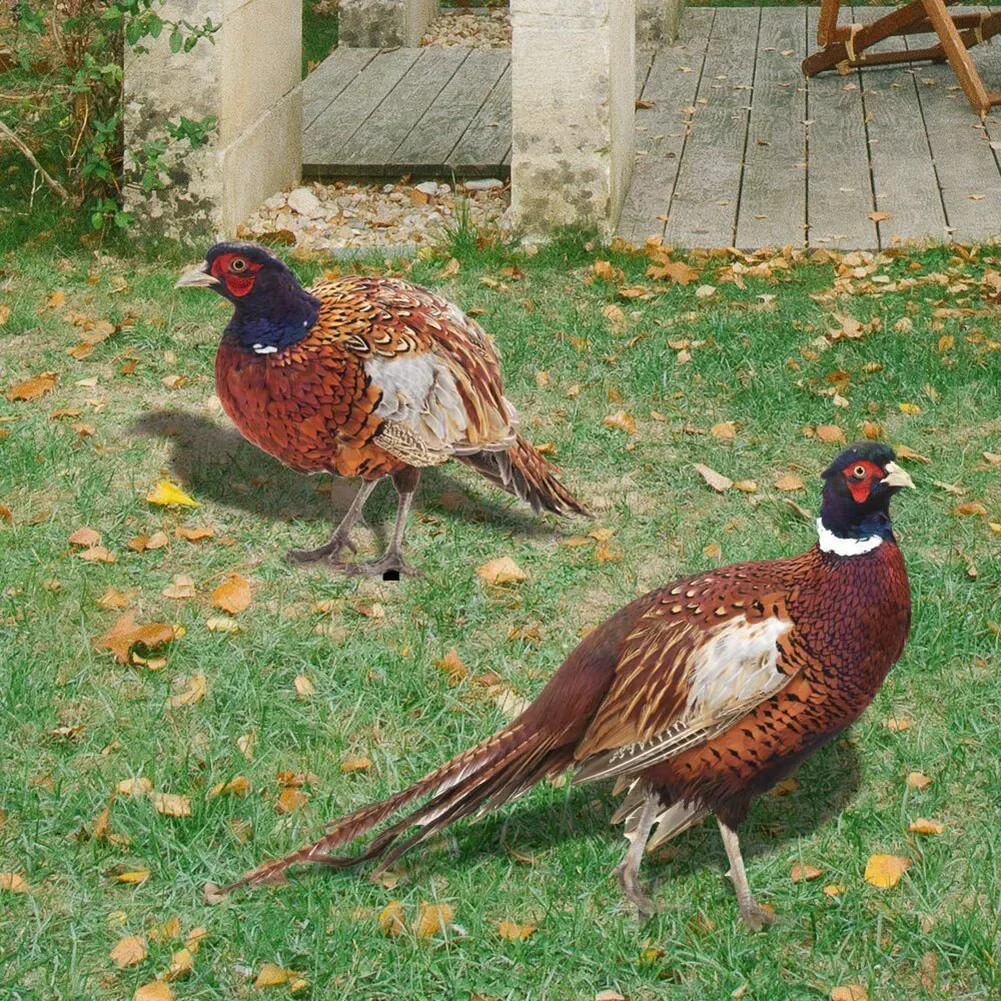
[[734, 146], [737, 148], [427, 111]]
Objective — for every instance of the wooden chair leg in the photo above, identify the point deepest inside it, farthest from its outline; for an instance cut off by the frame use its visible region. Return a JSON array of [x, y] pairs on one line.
[[828, 21], [958, 56]]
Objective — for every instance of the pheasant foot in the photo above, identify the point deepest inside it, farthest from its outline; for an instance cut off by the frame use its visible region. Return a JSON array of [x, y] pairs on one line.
[[328, 551], [390, 563]]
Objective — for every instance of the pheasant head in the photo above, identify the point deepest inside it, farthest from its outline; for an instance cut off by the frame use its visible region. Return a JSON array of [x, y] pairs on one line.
[[271, 309], [855, 510]]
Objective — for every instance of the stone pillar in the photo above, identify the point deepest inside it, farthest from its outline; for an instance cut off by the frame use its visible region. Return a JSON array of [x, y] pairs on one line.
[[378, 24], [249, 79], [658, 21], [573, 86]]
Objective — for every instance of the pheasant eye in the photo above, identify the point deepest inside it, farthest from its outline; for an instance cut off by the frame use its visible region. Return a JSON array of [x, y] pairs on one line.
[[238, 265], [859, 472]]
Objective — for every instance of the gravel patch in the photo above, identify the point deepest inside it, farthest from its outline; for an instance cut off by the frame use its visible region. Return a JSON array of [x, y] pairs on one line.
[[347, 217], [475, 28]]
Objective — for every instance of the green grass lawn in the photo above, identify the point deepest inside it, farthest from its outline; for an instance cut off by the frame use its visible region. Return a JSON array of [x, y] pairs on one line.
[[677, 360]]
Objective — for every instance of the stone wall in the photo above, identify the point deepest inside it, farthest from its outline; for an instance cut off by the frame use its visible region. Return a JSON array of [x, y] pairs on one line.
[[249, 79], [658, 21], [384, 23]]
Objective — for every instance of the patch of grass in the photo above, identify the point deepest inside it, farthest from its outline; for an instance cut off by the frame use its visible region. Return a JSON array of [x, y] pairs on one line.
[[319, 32], [547, 859]]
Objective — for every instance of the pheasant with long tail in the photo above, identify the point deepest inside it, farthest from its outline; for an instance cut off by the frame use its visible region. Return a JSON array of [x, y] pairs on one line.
[[365, 377], [695, 698]]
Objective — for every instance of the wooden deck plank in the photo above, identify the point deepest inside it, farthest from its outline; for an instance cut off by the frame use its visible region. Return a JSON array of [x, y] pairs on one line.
[[968, 172], [374, 144], [326, 83], [324, 142], [773, 189], [670, 86], [703, 210], [487, 141], [442, 127], [839, 185], [904, 179]]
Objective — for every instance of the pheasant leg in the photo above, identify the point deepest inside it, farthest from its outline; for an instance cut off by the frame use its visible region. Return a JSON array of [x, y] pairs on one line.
[[629, 869], [331, 549], [754, 915], [392, 561]]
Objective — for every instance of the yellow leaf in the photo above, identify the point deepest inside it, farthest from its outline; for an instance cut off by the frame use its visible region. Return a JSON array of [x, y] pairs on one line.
[[993, 458], [895, 725], [238, 786], [271, 975], [802, 872], [194, 692], [502, 570], [13, 882], [925, 826], [222, 624], [918, 780], [789, 482], [290, 799], [452, 666], [717, 481], [166, 493], [233, 595], [713, 551], [970, 509], [514, 932], [834, 889], [86, 537], [303, 687], [171, 805], [620, 421], [884, 871], [129, 951], [432, 919], [181, 964], [132, 876], [155, 990], [391, 918], [136, 788], [193, 940], [171, 928], [747, 486], [852, 992], [909, 408], [355, 763]]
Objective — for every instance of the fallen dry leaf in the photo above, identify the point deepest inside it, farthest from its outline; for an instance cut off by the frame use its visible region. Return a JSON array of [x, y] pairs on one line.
[[726, 431], [453, 666], [896, 724], [903, 452], [222, 624], [126, 633], [789, 482], [391, 919], [171, 805], [969, 509], [155, 990], [133, 877], [32, 389], [717, 481], [303, 687], [911, 409], [918, 780], [113, 598], [181, 589], [355, 763], [502, 570], [924, 826], [884, 871], [193, 534], [193, 692], [166, 493], [86, 537], [271, 975], [834, 889], [993, 458], [232, 595], [432, 919], [675, 271], [97, 554], [514, 932], [852, 992], [620, 421], [238, 786], [290, 799], [13, 882], [181, 964], [829, 434], [803, 872], [129, 951], [875, 217]]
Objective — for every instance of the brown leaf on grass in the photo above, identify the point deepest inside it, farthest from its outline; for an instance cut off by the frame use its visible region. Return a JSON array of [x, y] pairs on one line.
[[171, 928], [113, 598], [126, 633], [853, 992], [32, 389], [97, 554], [803, 872], [502, 570], [181, 964], [232, 595], [726, 431], [155, 990], [391, 919], [924, 826], [135, 787], [746, 486], [829, 434], [620, 421], [195, 534], [872, 430], [271, 975], [846, 328], [789, 482], [884, 871], [222, 624], [171, 804], [182, 588], [992, 458], [193, 692], [896, 724], [303, 686], [289, 799], [86, 537], [238, 786], [453, 667], [141, 543], [606, 271], [514, 932], [432, 919], [903, 452], [833, 890], [129, 951], [717, 481], [355, 763], [212, 894], [13, 882], [673, 271], [969, 509], [918, 780], [370, 609]]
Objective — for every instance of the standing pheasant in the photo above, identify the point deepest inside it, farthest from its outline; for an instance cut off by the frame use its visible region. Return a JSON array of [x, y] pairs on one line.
[[365, 377], [696, 697]]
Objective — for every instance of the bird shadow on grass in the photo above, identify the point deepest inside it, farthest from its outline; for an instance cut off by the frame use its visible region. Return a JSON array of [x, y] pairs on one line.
[[217, 464]]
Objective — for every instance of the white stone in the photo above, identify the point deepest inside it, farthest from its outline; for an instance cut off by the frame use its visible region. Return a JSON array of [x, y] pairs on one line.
[[484, 184], [303, 201], [427, 187]]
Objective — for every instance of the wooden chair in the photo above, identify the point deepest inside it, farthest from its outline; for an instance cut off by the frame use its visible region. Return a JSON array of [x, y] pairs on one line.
[[844, 47]]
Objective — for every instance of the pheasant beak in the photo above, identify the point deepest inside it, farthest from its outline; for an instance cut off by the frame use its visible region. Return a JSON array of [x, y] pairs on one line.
[[896, 477], [198, 278]]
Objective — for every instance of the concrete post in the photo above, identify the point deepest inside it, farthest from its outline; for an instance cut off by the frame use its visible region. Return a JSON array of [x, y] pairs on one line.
[[658, 21], [249, 79], [572, 112], [384, 23]]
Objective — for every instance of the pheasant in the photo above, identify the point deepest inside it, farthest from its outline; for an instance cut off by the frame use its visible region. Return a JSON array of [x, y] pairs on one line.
[[365, 377], [695, 698]]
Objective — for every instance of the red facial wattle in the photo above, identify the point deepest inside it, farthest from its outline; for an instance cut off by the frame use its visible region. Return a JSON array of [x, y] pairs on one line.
[[860, 477], [240, 280]]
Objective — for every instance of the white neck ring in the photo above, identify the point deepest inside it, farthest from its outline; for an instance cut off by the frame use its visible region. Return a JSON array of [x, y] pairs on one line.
[[840, 546]]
